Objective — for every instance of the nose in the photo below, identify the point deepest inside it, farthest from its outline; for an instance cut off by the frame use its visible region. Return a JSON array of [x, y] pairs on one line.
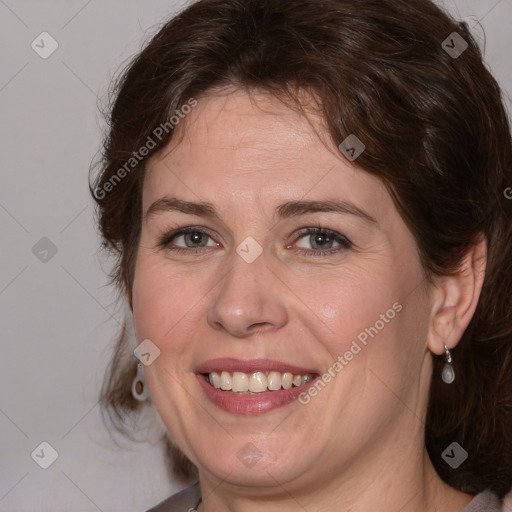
[[249, 299]]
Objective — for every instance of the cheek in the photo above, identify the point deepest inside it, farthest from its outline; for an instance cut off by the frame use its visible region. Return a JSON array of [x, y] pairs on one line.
[[349, 306], [374, 321], [158, 298], [336, 306], [168, 305]]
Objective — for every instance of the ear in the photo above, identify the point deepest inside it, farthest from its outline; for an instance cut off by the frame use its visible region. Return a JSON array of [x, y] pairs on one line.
[[455, 297]]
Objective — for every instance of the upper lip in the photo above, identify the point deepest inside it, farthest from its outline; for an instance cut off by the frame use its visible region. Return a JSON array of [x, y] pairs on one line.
[[230, 364]]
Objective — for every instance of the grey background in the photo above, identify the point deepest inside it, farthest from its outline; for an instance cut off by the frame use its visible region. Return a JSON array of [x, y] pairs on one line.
[[58, 317]]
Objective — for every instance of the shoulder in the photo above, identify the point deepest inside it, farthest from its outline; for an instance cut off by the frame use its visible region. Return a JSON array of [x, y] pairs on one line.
[[507, 502], [180, 502], [488, 502], [189, 499]]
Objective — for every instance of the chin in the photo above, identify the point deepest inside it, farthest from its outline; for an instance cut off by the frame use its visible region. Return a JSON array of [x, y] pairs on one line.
[[255, 464], [259, 475]]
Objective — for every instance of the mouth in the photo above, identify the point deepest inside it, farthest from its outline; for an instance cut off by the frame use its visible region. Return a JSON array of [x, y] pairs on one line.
[[252, 387], [256, 382]]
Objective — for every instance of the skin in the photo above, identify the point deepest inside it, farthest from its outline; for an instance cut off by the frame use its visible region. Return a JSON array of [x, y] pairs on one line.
[[358, 445]]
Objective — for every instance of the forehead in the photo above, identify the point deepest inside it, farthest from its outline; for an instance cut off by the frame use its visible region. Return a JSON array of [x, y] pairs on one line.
[[256, 148]]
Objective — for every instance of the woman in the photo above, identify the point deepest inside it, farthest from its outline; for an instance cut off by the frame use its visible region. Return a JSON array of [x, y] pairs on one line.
[[306, 200]]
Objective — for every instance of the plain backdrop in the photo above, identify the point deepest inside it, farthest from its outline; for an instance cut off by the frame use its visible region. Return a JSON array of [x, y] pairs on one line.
[[58, 317]]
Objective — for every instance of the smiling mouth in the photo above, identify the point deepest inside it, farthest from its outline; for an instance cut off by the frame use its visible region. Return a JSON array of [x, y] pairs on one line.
[[255, 383]]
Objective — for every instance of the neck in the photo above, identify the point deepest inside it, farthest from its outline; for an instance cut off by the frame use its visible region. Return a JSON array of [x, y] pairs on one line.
[[411, 495]]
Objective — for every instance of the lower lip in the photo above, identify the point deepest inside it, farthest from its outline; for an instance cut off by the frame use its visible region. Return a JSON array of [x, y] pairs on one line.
[[251, 404]]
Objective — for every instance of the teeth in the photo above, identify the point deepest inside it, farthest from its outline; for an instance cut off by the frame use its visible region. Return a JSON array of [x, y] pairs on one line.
[[214, 378], [257, 382], [287, 380], [274, 381], [225, 381], [240, 382], [306, 378]]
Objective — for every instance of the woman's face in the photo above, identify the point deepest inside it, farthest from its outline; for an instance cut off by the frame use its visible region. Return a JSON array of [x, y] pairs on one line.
[[251, 291]]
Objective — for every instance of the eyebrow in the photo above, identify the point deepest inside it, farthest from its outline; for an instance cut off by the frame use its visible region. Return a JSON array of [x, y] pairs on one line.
[[285, 210]]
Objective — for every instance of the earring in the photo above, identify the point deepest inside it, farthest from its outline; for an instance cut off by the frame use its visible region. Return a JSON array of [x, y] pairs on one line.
[[448, 375], [139, 391]]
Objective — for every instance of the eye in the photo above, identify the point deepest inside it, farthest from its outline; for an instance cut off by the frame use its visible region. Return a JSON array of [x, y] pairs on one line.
[[187, 239], [322, 241]]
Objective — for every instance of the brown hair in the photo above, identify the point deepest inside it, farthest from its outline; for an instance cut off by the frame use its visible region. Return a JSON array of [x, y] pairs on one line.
[[435, 132]]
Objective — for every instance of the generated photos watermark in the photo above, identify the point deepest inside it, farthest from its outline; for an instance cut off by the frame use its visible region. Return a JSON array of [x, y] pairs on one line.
[[139, 155], [454, 455], [454, 45], [146, 352], [355, 348]]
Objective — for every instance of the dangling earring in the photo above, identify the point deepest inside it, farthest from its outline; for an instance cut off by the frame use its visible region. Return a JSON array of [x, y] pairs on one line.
[[448, 375], [139, 391]]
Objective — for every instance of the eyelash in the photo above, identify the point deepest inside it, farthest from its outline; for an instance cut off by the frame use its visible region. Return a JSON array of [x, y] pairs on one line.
[[344, 242]]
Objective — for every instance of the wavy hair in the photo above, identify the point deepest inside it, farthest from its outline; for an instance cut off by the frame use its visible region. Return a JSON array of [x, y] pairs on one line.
[[436, 133]]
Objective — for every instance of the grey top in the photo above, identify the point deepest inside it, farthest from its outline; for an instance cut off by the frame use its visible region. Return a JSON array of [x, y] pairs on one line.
[[188, 500], [182, 501]]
